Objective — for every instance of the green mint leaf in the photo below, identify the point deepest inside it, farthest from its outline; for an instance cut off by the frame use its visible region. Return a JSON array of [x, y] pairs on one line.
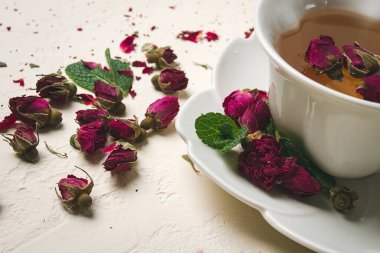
[[3, 64], [219, 131], [32, 65], [115, 65], [270, 128]]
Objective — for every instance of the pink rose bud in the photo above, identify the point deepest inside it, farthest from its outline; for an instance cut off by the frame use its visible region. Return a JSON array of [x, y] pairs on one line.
[[324, 56], [121, 158], [90, 115], [90, 137], [163, 57], [109, 97], [128, 130], [236, 103], [297, 180], [359, 61], [32, 109], [261, 162], [370, 89], [257, 115], [160, 113], [56, 87], [24, 142], [170, 80], [75, 192]]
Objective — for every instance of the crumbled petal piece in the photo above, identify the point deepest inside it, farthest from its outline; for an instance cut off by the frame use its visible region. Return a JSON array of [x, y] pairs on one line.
[[211, 36], [248, 33], [193, 36], [8, 122], [87, 99], [128, 45], [20, 82]]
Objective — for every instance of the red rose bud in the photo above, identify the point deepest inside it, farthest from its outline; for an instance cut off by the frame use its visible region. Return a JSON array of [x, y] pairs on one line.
[[32, 109], [56, 87], [297, 180], [359, 61], [90, 137], [75, 192], [24, 142], [261, 162], [128, 130], [109, 97], [170, 80], [121, 158], [163, 57], [370, 89], [160, 113], [236, 103], [323, 55], [90, 115], [257, 115]]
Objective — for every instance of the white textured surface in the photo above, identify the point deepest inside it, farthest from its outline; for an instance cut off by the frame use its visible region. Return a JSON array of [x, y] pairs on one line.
[[161, 205]]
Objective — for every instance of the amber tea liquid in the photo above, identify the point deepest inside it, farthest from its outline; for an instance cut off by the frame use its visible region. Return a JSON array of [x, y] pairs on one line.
[[344, 27]]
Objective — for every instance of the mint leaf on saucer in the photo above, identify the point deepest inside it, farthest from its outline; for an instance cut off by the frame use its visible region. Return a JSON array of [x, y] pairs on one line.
[[219, 131]]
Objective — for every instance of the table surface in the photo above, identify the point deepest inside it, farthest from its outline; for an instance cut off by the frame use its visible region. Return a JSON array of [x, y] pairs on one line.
[[162, 205]]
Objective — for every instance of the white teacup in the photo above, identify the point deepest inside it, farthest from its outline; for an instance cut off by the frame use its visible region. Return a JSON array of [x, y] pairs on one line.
[[340, 133]]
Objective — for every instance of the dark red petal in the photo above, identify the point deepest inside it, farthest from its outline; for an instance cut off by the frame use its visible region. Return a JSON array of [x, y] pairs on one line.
[[91, 65], [8, 122], [126, 72], [249, 32], [106, 69], [127, 44], [20, 82], [139, 64], [211, 36], [87, 99], [138, 78], [190, 36], [132, 92], [109, 148], [79, 29], [147, 70]]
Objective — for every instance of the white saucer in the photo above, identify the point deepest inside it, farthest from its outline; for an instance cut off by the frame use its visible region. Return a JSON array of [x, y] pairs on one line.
[[311, 221]]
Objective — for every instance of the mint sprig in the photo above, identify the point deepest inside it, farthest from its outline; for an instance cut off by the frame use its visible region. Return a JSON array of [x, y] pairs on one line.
[[85, 77], [219, 131]]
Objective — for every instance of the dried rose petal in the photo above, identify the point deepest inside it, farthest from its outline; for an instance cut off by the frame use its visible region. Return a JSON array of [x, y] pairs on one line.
[[161, 113], [132, 92], [109, 148], [126, 72], [127, 45], [195, 36], [170, 80], [90, 115], [248, 33], [8, 122], [20, 82], [257, 115], [147, 70], [370, 90], [91, 65], [87, 99], [211, 36], [121, 158], [139, 64], [236, 103], [92, 136]]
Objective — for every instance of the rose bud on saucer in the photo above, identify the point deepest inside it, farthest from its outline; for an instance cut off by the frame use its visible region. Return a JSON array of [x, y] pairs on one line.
[[359, 61], [56, 87], [24, 142], [297, 180], [90, 115], [370, 88], [90, 137], [122, 158], [127, 129], [32, 109], [109, 97], [163, 57], [343, 198], [237, 102], [160, 113], [170, 80], [324, 56], [75, 192], [257, 115]]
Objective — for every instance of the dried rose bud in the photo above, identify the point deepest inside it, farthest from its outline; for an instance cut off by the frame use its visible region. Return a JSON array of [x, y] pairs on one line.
[[121, 158], [343, 198], [75, 192], [323, 55], [257, 115], [297, 180], [370, 88], [32, 109], [127, 129], [90, 115], [237, 102], [56, 87], [160, 113], [24, 142], [170, 80], [261, 162], [109, 97], [359, 61], [90, 137], [163, 57]]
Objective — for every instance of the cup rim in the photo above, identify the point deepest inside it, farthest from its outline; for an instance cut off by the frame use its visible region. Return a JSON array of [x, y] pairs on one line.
[[298, 76]]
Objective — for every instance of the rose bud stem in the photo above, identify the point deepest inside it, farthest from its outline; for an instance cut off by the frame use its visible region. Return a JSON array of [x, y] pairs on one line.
[[147, 123]]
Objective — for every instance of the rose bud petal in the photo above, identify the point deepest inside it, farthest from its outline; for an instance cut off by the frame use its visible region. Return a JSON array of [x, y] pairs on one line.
[[164, 57], [109, 97], [90, 115], [75, 192], [170, 80], [257, 115], [370, 89], [32, 109], [24, 142], [236, 103], [56, 87], [128, 130], [160, 113], [92, 136], [297, 180], [261, 162], [324, 56], [359, 61], [121, 158]]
